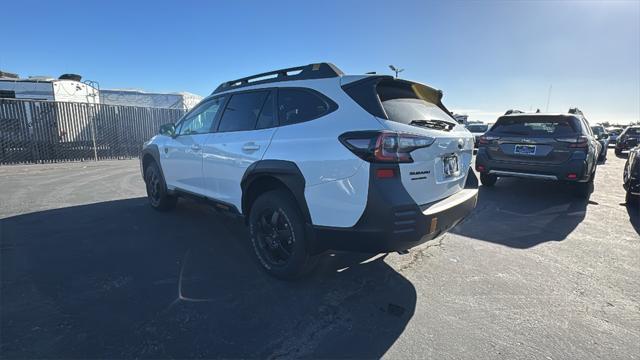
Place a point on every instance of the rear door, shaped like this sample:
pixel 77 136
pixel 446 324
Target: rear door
pixel 533 138
pixel 243 134
pixel 181 156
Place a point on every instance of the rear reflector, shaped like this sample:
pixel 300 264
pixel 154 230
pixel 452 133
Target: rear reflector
pixel 572 176
pixel 385 173
pixel 480 168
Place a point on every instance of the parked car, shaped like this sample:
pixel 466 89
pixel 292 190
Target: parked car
pixel 558 147
pixel 603 137
pixel 631 177
pixel 614 132
pixel 629 138
pixel 314 159
pixel 477 130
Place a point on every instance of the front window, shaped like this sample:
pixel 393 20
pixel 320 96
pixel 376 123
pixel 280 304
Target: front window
pixel 200 120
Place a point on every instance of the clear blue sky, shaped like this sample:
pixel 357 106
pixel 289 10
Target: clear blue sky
pixel 486 56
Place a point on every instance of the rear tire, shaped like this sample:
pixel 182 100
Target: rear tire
pixel 278 236
pixel 618 152
pixel 157 193
pixel 584 189
pixel 488 179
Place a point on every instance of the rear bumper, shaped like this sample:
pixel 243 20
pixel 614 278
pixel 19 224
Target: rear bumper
pixel 534 171
pixel 392 221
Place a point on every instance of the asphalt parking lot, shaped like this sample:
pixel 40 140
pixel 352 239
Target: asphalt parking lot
pixel 89 270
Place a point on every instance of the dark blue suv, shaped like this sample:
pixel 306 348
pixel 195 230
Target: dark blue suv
pixel 557 147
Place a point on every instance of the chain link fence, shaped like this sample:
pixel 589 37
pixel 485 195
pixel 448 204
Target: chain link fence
pixel 34 131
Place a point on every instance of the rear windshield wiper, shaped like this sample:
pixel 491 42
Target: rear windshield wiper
pixel 433 124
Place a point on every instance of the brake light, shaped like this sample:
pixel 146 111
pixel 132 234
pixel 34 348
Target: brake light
pixel 575 142
pixel 384 146
pixel 486 139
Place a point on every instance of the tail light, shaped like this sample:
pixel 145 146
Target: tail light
pixel 580 142
pixel 486 139
pixel 384 146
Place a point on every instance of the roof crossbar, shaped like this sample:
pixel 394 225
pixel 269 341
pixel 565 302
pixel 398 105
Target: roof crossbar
pixel 305 72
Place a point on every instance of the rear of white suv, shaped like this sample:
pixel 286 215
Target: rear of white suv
pixel 317 160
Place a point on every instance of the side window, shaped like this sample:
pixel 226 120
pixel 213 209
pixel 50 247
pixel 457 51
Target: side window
pixel 296 106
pixel 267 118
pixel 242 111
pixel 201 119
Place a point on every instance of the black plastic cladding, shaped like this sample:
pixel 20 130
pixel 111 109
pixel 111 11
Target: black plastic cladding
pixel 312 71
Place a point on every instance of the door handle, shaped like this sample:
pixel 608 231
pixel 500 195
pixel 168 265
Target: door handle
pixel 195 147
pixel 251 147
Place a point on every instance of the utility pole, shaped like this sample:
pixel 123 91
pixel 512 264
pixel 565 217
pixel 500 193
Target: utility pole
pixel 396 70
pixel 549 98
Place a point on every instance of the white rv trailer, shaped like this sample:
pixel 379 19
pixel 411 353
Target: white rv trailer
pixel 47 88
pixel 54 112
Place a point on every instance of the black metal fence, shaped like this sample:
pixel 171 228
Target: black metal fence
pixel 34 131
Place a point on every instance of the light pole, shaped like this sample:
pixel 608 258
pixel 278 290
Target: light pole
pixel 396 70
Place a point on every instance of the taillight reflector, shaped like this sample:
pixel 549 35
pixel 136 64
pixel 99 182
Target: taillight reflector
pixel 385 173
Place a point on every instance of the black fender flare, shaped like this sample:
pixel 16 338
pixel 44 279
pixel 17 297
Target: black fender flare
pixel 153 151
pixel 287 172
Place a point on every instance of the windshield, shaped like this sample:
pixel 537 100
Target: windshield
pixel 537 125
pixel 478 128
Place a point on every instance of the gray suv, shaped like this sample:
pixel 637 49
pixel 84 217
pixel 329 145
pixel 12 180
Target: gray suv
pixel 557 147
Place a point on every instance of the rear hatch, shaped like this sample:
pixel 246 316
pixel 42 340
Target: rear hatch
pixel 436 171
pixel 533 139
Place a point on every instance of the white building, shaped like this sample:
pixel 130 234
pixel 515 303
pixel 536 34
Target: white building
pixel 132 97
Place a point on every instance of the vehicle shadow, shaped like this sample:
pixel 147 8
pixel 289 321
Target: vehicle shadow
pixel 120 280
pixel 522 213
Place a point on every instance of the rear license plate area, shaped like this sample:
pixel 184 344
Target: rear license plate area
pixel 525 150
pixel 451 165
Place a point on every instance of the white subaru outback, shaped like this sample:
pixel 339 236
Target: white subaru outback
pixel 314 160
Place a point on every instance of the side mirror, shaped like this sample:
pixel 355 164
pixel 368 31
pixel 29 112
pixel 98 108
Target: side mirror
pixel 168 130
pixel 605 135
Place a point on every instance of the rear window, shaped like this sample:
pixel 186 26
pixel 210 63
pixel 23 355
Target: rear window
pixel 632 131
pixel 298 105
pixel 242 111
pixel 402 105
pixel 598 130
pixel 478 128
pixel 537 125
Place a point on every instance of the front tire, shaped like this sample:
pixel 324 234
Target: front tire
pixel 488 179
pixel 278 237
pixel 157 193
